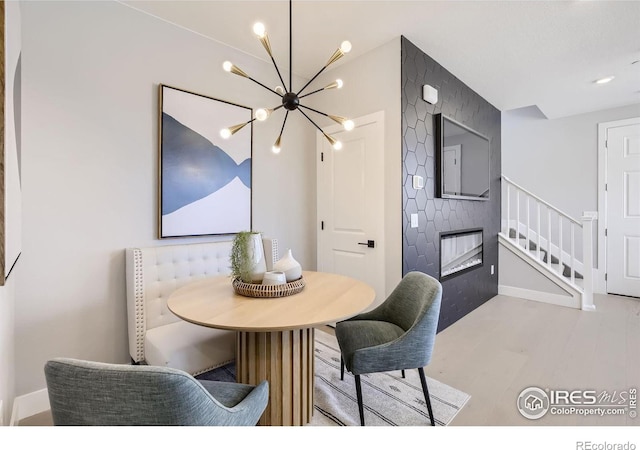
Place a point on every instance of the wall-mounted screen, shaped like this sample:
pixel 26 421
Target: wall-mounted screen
pixel 462 161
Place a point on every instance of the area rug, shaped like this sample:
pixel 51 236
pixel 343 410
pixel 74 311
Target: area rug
pixel 389 399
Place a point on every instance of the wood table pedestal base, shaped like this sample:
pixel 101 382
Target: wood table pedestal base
pixel 286 360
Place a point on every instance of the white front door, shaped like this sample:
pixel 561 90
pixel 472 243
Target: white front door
pixel 623 210
pixel 350 196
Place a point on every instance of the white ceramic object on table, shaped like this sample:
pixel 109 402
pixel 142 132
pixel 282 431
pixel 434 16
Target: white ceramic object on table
pixel 291 268
pixel 256 255
pixel 274 278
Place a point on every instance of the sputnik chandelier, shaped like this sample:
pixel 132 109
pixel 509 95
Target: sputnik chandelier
pixel 290 100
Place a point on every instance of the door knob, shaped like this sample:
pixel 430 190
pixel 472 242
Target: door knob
pixel 369 243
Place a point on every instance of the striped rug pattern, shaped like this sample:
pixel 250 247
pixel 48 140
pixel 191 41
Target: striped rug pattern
pixel 389 399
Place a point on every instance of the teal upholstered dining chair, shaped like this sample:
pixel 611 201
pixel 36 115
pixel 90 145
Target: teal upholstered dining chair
pixel 397 335
pixel 93 393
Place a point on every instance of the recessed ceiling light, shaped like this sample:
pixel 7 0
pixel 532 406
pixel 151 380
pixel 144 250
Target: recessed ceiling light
pixel 604 80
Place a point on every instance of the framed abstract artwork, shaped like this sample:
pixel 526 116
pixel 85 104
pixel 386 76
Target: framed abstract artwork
pixel 204 180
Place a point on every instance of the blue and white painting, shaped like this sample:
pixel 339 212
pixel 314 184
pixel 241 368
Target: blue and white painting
pixel 205 180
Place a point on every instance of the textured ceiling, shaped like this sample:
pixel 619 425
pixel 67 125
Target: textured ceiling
pixel 513 53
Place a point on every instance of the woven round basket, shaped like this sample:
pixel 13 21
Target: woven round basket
pixel 267 291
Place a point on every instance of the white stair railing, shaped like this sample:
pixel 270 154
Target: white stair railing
pixel 555 239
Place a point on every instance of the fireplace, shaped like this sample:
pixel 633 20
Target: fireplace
pixel 460 252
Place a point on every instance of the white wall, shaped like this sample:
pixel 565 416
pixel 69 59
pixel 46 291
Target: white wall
pixel 90 76
pixel 557 159
pixel 7 366
pixel 372 83
pixel 12 47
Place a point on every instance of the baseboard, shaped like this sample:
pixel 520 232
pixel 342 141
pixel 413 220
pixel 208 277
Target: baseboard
pixel 538 296
pixel 28 405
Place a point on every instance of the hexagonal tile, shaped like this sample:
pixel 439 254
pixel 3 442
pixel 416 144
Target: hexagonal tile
pixel 421 244
pixel 411 258
pixel 410 139
pixel 421 171
pixel 421 132
pixel 409 191
pixel 421 153
pixel 445 210
pixel 430 166
pixel 430 210
pixel 421 110
pixel 411 207
pixel 410 116
pixel 422 221
pixel 429 145
pixel 438 220
pixel 411 163
pixel 421 199
pixel 431 233
pixel 412 235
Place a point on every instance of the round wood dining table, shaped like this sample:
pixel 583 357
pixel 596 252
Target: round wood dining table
pixel 275 336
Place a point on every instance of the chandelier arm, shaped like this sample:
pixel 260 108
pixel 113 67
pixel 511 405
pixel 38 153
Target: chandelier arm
pixel 311 80
pixel 284 122
pixel 311 93
pixel 314 124
pixel 264 86
pixel 290 46
pixel 284 85
pixel 314 110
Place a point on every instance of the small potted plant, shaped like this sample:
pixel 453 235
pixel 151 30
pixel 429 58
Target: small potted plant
pixel 247 257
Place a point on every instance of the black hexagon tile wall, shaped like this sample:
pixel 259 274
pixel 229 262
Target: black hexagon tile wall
pixel 421 246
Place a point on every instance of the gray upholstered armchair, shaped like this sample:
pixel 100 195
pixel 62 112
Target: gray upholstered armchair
pixel 397 335
pixel 92 393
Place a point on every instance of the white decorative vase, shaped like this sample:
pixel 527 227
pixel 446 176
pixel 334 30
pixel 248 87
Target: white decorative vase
pixel 256 255
pixel 291 268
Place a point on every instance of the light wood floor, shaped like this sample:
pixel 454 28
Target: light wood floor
pixel 509 344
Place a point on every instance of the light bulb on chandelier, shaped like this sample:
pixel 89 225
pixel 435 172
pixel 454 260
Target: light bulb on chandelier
pixel 259 29
pixel 290 99
pixel 262 114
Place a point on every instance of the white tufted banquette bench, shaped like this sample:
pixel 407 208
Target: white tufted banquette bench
pixel 158 337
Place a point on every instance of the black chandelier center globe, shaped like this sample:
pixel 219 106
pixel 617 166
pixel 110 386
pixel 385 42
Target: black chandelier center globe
pixel 290 101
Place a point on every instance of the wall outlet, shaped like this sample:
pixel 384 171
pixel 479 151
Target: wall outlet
pixel 414 221
pixel 418 182
pixel 492 269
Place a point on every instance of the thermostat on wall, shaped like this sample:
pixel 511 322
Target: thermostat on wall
pixel 429 94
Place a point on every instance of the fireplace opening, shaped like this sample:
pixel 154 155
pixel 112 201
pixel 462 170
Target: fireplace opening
pixel 460 251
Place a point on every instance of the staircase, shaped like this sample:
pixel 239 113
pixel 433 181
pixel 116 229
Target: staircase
pixel 552 242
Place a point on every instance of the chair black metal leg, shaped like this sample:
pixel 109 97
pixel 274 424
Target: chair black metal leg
pixel 341 368
pixel 403 373
pixel 359 395
pixel 423 380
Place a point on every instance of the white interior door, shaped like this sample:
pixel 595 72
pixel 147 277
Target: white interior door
pixel 451 168
pixel 351 202
pixel 623 210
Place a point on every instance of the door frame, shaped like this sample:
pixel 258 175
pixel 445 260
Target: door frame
pixel 379 118
pixel 457 148
pixel 600 286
